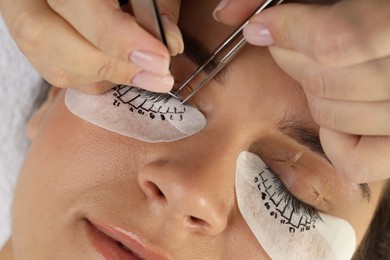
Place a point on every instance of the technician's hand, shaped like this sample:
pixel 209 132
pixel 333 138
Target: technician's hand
pixel 89 45
pixel 340 54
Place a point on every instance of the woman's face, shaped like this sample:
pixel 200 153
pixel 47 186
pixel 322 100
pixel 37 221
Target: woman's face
pixel 178 197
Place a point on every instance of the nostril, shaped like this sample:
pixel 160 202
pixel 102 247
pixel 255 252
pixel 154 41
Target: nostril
pixel 197 222
pixel 154 191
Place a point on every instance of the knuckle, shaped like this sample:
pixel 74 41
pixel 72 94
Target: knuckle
pixel 26 31
pixel 171 8
pixel 58 5
pixel 95 89
pixel 333 43
pixel 104 36
pixel 315 81
pixel 285 35
pixel 107 70
pixel 91 89
pixel 101 37
pixel 103 32
pixel 379 77
pixel 323 113
pixel 57 77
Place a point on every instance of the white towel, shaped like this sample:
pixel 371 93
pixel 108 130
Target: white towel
pixel 18 88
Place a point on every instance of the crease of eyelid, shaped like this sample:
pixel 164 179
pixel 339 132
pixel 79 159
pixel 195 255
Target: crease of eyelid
pixel 293 126
pixel 365 190
pixel 298 206
pixel 313 196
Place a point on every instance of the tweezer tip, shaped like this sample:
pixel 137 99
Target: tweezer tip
pixel 188 97
pixel 173 94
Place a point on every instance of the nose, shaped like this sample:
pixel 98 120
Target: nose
pixel 192 194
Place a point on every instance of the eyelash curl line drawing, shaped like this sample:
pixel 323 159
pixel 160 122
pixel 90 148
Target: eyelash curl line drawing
pixel 283 205
pixel 145 102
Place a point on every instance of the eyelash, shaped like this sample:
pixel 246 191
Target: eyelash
pixel 288 198
pixel 298 206
pixel 156 97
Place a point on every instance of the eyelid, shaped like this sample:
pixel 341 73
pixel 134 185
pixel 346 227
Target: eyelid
pixel 305 191
pixel 299 206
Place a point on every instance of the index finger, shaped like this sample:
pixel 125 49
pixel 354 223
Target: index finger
pixel 234 12
pixel 346 33
pixel 105 25
pixel 361 159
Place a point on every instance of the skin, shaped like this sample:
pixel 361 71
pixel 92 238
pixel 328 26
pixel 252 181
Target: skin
pixel 341 58
pixel 68 30
pixel 76 171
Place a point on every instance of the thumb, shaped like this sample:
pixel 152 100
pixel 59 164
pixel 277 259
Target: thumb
pixel 332 35
pixel 170 11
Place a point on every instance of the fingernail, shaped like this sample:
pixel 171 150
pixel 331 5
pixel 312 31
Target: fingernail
pixel 150 62
pixel 219 7
pixel 153 82
pixel 174 37
pixel 258 34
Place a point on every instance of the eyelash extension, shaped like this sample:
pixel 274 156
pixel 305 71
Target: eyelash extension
pixel 156 97
pixel 298 206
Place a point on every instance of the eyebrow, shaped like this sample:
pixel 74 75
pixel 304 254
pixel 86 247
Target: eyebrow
pixel 198 54
pixel 291 126
pixel 294 127
pixel 297 129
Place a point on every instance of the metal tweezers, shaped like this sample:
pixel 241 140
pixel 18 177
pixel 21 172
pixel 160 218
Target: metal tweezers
pixel 147 15
pixel 230 46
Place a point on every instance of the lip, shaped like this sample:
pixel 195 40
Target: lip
pixel 107 239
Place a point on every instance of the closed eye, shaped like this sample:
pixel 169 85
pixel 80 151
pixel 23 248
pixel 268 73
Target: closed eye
pixel 282 205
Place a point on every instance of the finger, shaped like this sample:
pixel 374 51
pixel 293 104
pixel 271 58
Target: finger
pixel 362 159
pixel 360 118
pixel 46 37
pixel 105 25
pixel 64 76
pixel 347 33
pixel 96 88
pixel 368 81
pixel 233 12
pixel 170 11
pixel 63 79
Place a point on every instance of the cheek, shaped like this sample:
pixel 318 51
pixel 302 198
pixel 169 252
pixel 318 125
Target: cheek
pixel 67 158
pixel 72 167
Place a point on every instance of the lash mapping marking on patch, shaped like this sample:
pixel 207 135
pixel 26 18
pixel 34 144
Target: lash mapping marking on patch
pixel 283 233
pixel 131 112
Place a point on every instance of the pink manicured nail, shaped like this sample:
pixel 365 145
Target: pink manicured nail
pixel 258 34
pixel 153 82
pixel 150 62
pixel 219 7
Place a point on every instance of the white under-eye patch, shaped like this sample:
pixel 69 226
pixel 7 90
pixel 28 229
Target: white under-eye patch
pixel 282 231
pixel 138 114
